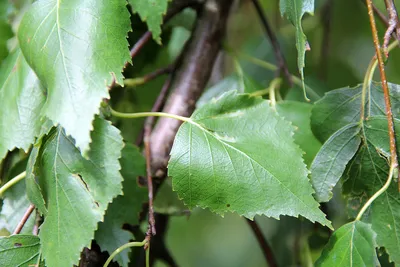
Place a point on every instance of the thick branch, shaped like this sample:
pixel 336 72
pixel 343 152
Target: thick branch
pixel 191 78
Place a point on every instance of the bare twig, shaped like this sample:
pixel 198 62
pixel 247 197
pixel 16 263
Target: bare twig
pixel 388 109
pixel 326 14
pixel 26 216
pixel 147 133
pixel 393 24
pixel 262 241
pixel 148 77
pixel 283 69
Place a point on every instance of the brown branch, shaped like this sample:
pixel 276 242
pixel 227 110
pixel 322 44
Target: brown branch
pixel 393 24
pixel 388 109
pixel 283 69
pixel 26 216
pixel 262 241
pixel 191 78
pixel 326 16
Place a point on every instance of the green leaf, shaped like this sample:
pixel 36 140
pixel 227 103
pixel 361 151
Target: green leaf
pixel 125 208
pixel 236 154
pixel 353 244
pixel 241 83
pixel 76 47
pixel 5 28
pixel 299 114
pixel 366 174
pixel 343 106
pixel 76 190
pixel 152 12
pixel 21 100
pixel 330 162
pixel 19 250
pixel 294 10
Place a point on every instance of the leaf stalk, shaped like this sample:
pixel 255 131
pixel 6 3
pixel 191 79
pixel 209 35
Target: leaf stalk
pixel 129 245
pixel 12 182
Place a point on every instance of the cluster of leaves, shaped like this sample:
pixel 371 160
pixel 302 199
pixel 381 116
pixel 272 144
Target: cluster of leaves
pixel 236 153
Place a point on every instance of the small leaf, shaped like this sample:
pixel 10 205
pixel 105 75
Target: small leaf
pixel 330 162
pixel 76 191
pixel 19 250
pixel 125 208
pixel 343 106
pixel 151 11
pixel 353 244
pixel 294 10
pixel 236 154
pixel 21 99
pixel 75 47
pixel 299 114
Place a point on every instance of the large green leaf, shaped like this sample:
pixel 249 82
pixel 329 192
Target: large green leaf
pixel 299 114
pixel 5 28
pixel 152 12
pixel 76 48
pixel 21 100
pixel 352 245
pixel 343 106
pixel 367 173
pixel 125 208
pixel 294 10
pixel 236 154
pixel 19 250
pixel 330 162
pixel 76 191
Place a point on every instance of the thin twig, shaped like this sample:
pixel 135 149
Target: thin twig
pixel 393 24
pixel 148 77
pixel 326 14
pixel 274 42
pixel 388 109
pixel 147 134
pixel 26 216
pixel 267 251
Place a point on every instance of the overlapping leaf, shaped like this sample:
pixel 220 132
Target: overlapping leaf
pixel 341 107
pixel 367 173
pixel 125 208
pixel 5 28
pixel 351 245
pixel 21 100
pixel 75 47
pixel 152 12
pixel 236 154
pixel 330 162
pixel 76 191
pixel 294 10
pixel 299 114
pixel 20 250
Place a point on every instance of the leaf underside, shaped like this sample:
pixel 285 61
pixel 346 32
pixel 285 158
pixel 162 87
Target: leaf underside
pixel 234 156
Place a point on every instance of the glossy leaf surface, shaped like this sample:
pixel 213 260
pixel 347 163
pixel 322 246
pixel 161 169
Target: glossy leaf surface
pixel 233 155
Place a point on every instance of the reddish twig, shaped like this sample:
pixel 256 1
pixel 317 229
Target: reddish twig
pixel 393 24
pixel 388 109
pixel 274 42
pixel 262 241
pixel 26 216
